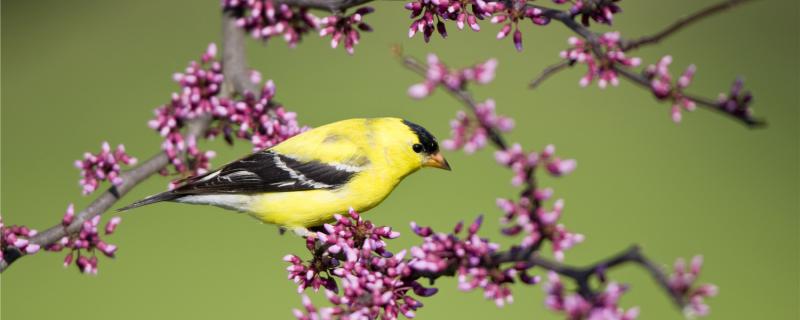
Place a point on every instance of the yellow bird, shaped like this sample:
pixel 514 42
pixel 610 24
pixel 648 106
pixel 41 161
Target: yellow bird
pixel 304 181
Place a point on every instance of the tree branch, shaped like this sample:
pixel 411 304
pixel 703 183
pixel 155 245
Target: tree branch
pixel 234 67
pixel 700 101
pixel 549 71
pixel 681 23
pixel 334 6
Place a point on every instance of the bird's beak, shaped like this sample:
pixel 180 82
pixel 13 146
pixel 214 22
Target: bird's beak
pixel 437 161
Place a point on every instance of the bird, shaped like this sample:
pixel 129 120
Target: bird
pixel 304 181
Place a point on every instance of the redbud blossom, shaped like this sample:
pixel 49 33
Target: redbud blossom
pixel 663 88
pixel 17 237
pixel 682 283
pixel 200 85
pixel 602 66
pixel 471 134
pixel 258 119
pixel 265 19
pixel 345 28
pixel 601 11
pixel 103 166
pixel 574 306
pixel 373 283
pixel 438 73
pixel 736 101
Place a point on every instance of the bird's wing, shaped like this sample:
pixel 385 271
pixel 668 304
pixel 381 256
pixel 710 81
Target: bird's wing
pixel 270 171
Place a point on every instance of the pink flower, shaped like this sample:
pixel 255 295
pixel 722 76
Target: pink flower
pixel 662 86
pixel 258 119
pixel 603 69
pixel 265 19
pixel 374 282
pixel 200 86
pixel 603 306
pixel 736 101
pixel 345 28
pixel 102 166
pixel 439 74
pixel 682 282
pixel 471 134
pixel 600 11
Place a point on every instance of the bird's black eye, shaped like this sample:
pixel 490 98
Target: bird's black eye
pixel 417 147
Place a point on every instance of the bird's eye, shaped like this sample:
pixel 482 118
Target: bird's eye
pixel 417 147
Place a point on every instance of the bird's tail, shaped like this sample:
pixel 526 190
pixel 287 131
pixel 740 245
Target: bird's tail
pixel 164 196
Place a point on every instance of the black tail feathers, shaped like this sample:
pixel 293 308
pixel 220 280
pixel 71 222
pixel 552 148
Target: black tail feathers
pixel 164 196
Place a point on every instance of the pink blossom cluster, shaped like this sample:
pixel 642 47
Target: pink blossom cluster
pixel 523 163
pixel 603 306
pixel 601 11
pixel 345 28
pixel 472 134
pixel 511 16
pixel 257 119
pixel 17 237
pixel 200 86
pixel 682 283
pixel 265 19
pixel 736 102
pixel 663 88
pixel 601 68
pixel 87 239
pixel 374 282
pixel 438 73
pixel 430 15
pixel 469 257
pixel 538 224
pixel 105 165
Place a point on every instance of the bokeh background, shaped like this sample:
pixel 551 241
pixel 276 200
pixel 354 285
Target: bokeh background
pixel 76 73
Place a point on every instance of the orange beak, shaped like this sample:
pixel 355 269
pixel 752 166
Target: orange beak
pixel 437 161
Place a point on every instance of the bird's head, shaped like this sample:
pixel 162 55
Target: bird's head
pixel 423 145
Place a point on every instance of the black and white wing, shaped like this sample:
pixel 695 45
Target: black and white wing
pixel 264 171
pixel 269 171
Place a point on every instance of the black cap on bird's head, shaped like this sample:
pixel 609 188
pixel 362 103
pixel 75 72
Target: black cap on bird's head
pixel 427 146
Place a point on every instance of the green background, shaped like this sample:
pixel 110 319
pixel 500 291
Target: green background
pixel 76 73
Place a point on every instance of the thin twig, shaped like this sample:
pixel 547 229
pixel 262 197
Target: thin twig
pixel 547 72
pixel 700 101
pixel 680 24
pixel 234 63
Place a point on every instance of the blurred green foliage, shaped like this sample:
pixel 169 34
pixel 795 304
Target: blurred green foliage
pixel 76 73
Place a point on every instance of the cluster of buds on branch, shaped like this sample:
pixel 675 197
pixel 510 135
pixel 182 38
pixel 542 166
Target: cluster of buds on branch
pixel 600 67
pixel 662 87
pixel 264 19
pixel 17 237
pixel 88 240
pixel 102 166
pixel 374 282
pixel 257 119
pixel 439 74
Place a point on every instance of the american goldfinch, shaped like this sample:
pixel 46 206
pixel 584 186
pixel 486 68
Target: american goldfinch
pixel 307 179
